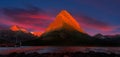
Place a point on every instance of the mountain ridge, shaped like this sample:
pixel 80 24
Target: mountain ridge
pixel 17 28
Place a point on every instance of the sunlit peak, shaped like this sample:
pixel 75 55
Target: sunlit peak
pixel 64 20
pixel 17 28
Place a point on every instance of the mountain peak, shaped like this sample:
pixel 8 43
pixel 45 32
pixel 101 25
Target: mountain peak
pixel 64 20
pixel 64 11
pixel 36 33
pixel 17 28
pixel 14 28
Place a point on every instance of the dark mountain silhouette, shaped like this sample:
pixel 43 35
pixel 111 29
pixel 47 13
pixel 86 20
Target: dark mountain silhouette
pixel 15 36
pixel 100 36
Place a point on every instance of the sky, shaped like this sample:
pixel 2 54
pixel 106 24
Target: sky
pixel 94 16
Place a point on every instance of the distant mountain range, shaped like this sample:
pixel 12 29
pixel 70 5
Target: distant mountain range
pixel 63 31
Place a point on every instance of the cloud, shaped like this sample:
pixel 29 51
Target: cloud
pixel 30 18
pixel 89 22
pixel 36 19
pixel 2 26
pixel 94 26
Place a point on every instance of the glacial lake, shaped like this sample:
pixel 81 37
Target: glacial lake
pixel 58 49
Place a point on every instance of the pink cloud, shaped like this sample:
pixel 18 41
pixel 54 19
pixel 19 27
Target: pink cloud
pixel 36 20
pixel 39 20
pixel 27 26
pixel 92 23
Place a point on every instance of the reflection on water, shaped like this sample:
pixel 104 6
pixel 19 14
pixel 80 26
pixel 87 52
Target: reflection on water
pixel 46 49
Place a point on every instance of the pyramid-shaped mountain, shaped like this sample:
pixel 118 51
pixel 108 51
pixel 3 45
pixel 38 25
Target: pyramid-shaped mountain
pixel 66 29
pixel 64 20
pixel 17 28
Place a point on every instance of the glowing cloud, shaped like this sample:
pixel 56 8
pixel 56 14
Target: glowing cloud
pixel 33 19
pixel 36 19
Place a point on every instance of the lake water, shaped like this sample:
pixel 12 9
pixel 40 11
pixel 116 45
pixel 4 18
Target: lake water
pixel 47 49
